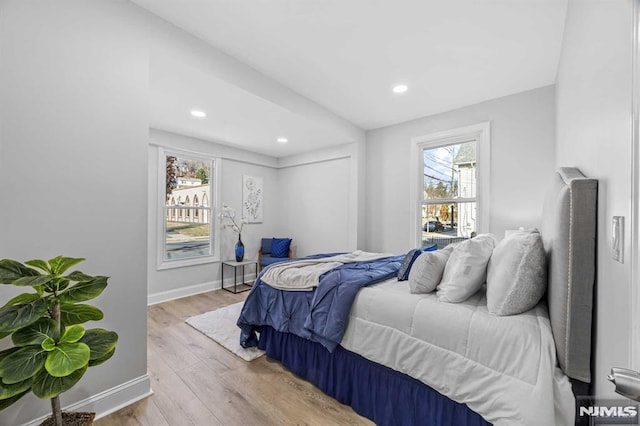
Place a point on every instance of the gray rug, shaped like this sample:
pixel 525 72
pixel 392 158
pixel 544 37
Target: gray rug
pixel 220 326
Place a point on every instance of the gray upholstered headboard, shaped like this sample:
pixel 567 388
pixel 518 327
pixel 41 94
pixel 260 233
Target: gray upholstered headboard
pixel 569 235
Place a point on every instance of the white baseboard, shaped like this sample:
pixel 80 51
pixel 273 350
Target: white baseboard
pixel 178 293
pixel 111 400
pixel 165 296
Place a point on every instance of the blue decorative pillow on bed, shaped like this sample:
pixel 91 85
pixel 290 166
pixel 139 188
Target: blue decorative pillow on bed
pixel 407 263
pixel 430 247
pixel 280 247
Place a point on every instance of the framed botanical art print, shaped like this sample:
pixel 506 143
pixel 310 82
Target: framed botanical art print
pixel 252 195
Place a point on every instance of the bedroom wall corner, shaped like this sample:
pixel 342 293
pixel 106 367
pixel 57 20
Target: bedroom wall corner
pixel 522 149
pixel 73 130
pixel 594 100
pixel 173 283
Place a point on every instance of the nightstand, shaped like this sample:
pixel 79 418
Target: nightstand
pixel 238 267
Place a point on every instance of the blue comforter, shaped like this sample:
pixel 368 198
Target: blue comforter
pixel 320 315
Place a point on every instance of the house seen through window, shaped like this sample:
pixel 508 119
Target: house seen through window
pixel 187 208
pixel 449 196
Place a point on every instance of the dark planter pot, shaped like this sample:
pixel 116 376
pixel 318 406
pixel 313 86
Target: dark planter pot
pixel 72 419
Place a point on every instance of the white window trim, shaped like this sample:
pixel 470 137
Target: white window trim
pixel 214 201
pixel 482 134
pixel 634 249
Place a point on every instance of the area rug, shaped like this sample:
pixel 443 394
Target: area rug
pixel 220 326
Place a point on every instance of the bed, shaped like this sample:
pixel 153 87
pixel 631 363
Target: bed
pixel 403 358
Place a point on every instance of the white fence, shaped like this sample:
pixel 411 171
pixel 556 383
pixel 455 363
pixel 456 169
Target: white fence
pixel 188 214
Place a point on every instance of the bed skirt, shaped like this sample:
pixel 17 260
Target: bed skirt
pixel 379 393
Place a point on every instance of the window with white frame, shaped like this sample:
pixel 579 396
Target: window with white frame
pixel 452 190
pixel 187 225
pixel 449 190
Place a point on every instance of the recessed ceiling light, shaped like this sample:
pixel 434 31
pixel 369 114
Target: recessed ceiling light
pixel 400 88
pixel 282 140
pixel 198 114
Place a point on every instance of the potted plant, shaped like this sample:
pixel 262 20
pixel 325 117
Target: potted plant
pixel 51 349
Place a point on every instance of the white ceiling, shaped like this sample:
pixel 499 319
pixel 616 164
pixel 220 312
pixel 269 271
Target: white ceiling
pixel 234 116
pixel 346 55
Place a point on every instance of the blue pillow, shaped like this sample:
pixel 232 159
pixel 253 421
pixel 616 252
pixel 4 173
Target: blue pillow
pixel 280 247
pixel 403 272
pixel 407 263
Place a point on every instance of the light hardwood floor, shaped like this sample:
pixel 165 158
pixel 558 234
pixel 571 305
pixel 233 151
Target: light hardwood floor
pixel 197 382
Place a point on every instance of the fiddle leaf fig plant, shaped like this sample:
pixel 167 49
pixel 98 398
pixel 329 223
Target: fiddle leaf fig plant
pixel 50 347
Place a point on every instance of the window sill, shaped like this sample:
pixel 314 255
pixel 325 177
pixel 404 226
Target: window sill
pixel 181 263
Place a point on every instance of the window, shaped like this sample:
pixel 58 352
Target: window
pixel 186 229
pixel 449 191
pixel 452 191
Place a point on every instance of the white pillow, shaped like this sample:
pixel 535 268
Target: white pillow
pixel 517 274
pixel 427 270
pixel 466 269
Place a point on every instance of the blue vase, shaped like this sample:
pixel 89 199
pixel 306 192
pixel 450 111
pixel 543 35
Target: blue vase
pixel 239 249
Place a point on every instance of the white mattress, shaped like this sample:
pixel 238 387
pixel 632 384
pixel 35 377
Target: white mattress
pixel 503 368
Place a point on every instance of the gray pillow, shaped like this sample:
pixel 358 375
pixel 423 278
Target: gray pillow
pixel 517 274
pixel 466 269
pixel 426 272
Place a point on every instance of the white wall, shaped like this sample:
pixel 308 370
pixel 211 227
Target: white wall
pixel 522 161
pixel 73 129
pixel 316 200
pixel 321 198
pixel 594 133
pixel 171 283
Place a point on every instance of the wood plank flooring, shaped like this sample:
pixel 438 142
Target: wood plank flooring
pixel 197 382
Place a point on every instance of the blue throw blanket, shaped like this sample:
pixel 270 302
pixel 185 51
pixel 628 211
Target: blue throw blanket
pixel 320 315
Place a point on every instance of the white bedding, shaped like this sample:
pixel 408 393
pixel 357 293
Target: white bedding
pixel 503 368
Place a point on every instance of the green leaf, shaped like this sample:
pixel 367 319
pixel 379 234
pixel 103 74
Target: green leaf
pixel 6 353
pixel 68 262
pixel 99 361
pixel 102 342
pixel 46 386
pixel 57 285
pixel 60 264
pixel 33 281
pixel 8 391
pixel 84 290
pixel 48 344
pixel 72 334
pixel 35 333
pixel 54 264
pixel 22 364
pixel 67 358
pixel 4 403
pixel 10 270
pixel 40 264
pixel 77 314
pixel 22 298
pixel 78 276
pixel 17 316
